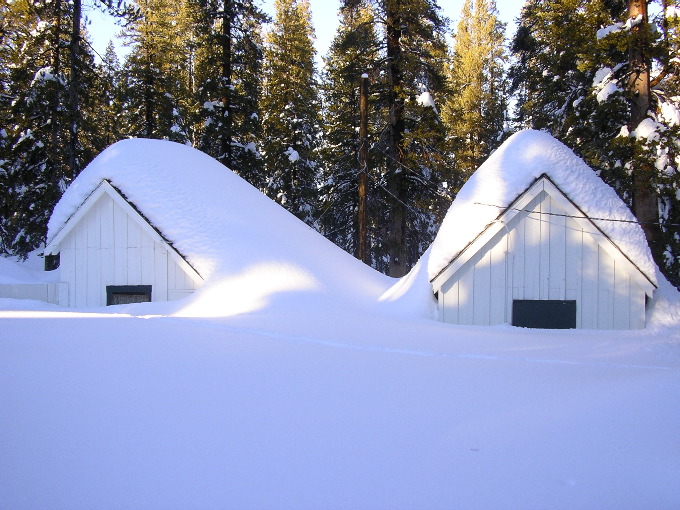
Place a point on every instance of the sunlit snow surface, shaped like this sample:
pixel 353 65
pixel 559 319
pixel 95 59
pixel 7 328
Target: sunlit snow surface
pixel 286 384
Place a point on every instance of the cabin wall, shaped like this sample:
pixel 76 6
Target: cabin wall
pixel 547 257
pixel 109 247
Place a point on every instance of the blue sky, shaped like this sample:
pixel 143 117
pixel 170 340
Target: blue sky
pixel 324 14
pixel 325 19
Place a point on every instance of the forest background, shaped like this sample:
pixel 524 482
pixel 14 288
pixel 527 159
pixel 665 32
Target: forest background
pixel 247 87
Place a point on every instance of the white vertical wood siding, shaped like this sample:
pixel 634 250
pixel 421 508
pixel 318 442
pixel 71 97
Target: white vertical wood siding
pixel 108 247
pixel 543 256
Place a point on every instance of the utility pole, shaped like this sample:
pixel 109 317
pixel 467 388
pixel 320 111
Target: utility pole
pixel 362 248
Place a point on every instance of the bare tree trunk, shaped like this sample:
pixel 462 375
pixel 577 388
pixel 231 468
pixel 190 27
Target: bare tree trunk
pixel 645 200
pixel 56 68
pixel 396 240
pixel 227 121
pixel 149 121
pixel 73 91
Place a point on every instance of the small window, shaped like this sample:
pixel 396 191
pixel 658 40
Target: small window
pixel 125 294
pixel 52 262
pixel 544 314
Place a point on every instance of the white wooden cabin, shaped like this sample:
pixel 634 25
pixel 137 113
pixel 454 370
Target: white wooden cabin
pixel 110 254
pixel 543 263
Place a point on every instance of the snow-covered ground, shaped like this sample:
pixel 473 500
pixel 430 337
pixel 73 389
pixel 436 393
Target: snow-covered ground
pixel 331 408
pixel 321 391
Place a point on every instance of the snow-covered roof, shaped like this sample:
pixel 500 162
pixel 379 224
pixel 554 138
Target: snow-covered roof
pixel 508 172
pixel 237 239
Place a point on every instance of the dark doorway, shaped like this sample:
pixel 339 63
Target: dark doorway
pixel 544 314
pixel 125 294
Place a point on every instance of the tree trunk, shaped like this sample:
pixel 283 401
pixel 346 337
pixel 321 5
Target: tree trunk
pixel 149 122
pixel 645 200
pixel 396 240
pixel 73 91
pixel 227 122
pixel 56 68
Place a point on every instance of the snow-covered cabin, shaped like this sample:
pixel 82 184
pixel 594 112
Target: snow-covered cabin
pixel 535 238
pixel 156 220
pixel 110 251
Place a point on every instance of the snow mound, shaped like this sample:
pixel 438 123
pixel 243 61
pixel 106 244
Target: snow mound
pixel 664 312
pixel 13 272
pixel 411 296
pixel 30 271
pixel 246 247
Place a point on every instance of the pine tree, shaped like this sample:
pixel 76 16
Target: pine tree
pixel 587 79
pixel 36 134
pixel 48 110
pixel 412 138
pixel 554 47
pixel 158 69
pixel 110 86
pixel 229 75
pixel 353 53
pixel 290 104
pixel 476 109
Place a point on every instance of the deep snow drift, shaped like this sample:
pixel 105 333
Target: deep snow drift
pixel 293 396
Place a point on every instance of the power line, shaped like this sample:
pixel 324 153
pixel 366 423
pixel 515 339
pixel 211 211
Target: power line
pixel 617 220
pixel 316 221
pixel 410 208
pixel 427 183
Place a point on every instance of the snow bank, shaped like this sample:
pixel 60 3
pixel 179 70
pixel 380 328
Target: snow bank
pixel 507 173
pixel 14 273
pixel 664 312
pixel 411 296
pixel 247 248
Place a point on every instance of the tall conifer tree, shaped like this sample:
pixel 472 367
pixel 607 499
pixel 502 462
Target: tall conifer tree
pixel 411 139
pixel 291 106
pixel 353 53
pixel 476 108
pixel 110 85
pixel 49 109
pixel 229 76
pixel 41 151
pixel 159 71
